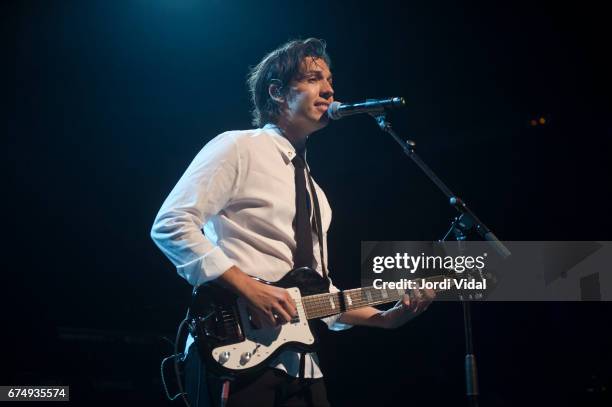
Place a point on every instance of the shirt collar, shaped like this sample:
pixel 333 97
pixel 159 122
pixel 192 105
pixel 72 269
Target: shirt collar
pixel 284 146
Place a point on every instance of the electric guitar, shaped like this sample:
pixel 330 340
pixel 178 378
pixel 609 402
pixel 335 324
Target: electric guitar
pixel 231 345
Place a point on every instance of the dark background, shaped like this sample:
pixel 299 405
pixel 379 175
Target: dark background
pixel 110 101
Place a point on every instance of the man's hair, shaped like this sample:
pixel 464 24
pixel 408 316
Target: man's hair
pixel 280 66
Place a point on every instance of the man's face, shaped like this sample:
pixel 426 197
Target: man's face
pixel 309 95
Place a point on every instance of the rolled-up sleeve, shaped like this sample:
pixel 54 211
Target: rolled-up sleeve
pixel 205 188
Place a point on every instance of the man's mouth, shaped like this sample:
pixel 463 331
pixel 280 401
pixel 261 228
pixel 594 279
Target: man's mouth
pixel 322 106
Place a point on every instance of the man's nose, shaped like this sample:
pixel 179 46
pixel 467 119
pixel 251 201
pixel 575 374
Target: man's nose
pixel 327 91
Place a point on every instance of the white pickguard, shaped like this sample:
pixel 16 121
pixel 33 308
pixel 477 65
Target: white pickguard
pixel 261 343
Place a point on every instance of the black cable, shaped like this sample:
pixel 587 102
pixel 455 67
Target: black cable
pixel 176 365
pixel 176 356
pixel 199 383
pixel 163 365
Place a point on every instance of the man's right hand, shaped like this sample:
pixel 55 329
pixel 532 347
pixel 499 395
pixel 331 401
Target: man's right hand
pixel 269 305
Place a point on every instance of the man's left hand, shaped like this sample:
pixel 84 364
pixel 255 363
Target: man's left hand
pixel 413 303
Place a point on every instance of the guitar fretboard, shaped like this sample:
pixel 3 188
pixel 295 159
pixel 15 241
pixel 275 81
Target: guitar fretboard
pixel 327 304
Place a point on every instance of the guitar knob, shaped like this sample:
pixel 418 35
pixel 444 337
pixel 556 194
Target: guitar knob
pixel 245 357
pixel 224 357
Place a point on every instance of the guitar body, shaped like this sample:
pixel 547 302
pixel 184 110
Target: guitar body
pixel 231 345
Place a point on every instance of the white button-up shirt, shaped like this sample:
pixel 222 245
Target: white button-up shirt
pixel 240 190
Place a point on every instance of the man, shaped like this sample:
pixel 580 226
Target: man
pixel 240 190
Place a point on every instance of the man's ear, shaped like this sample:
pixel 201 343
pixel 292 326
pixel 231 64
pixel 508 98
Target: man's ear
pixel 275 91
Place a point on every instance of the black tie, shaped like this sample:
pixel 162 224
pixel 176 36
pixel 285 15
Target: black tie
pixel 303 228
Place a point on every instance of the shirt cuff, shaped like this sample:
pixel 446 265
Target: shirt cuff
pixel 208 267
pixel 334 325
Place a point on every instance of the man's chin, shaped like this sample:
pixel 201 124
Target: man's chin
pixel 317 123
pixel 323 120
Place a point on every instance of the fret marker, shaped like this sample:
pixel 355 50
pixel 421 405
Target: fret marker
pixel 349 300
pixel 369 295
pixel 384 293
pixel 331 302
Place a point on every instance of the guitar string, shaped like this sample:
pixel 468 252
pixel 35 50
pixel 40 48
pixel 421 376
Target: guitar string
pixel 322 307
pixel 319 305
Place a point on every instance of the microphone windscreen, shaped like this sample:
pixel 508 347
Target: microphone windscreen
pixel 332 110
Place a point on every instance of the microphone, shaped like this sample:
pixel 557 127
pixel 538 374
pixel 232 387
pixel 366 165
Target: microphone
pixel 338 110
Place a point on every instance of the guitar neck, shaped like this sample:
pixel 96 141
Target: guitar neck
pixel 328 304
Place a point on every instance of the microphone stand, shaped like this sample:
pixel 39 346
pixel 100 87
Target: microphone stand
pixel 461 226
